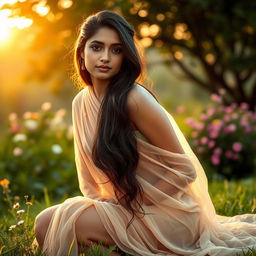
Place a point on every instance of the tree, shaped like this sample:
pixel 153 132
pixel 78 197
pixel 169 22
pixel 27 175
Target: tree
pixel 217 36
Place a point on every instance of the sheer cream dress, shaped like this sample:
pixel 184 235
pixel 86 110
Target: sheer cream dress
pixel 182 216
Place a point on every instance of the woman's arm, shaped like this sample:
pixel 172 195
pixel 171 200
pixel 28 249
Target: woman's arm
pixel 151 120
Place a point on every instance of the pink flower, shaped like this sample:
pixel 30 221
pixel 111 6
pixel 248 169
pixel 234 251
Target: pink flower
pixel 15 128
pixel 211 143
pixel 222 91
pixel 210 112
pixel 228 109
pixel 216 98
pixel 200 149
pixel 215 160
pixel 199 126
pixel 234 115
pixel 213 134
pixel 204 140
pixel 17 151
pixel 244 106
pixel 203 117
pixel 227 118
pixel 230 128
pixel 217 151
pixel 228 154
pixel 237 146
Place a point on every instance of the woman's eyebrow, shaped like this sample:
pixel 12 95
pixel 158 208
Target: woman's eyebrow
pixel 99 42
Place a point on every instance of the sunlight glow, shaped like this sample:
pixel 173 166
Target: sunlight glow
pixel 65 3
pixel 7 23
pixel 41 8
pixel 10 2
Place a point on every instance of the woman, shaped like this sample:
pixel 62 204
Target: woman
pixel 143 188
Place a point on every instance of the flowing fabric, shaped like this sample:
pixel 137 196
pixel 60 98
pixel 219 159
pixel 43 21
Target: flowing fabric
pixel 181 220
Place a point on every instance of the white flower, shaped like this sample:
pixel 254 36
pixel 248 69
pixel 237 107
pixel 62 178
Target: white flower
pixel 57 149
pixel 31 124
pixel 20 222
pixel 19 137
pixel 16 206
pixel 46 106
pixel 20 211
pixel 12 227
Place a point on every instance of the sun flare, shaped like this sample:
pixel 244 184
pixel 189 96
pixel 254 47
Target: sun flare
pixel 9 23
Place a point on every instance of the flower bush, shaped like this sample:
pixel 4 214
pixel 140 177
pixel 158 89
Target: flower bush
pixel 224 138
pixel 37 152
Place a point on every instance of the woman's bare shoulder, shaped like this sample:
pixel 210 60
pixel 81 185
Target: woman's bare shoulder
pixel 78 97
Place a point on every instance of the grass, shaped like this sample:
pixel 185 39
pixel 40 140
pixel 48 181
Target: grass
pixel 16 225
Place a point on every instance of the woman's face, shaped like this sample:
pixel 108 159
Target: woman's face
pixel 103 54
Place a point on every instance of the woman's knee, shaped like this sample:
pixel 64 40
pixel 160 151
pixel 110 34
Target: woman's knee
pixel 42 222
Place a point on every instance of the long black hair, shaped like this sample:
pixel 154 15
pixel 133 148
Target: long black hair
pixel 115 146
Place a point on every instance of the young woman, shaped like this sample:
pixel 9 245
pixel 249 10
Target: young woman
pixel 143 188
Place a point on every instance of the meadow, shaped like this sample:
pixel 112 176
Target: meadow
pixel 16 223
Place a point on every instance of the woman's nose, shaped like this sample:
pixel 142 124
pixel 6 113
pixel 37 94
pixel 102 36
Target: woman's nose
pixel 105 55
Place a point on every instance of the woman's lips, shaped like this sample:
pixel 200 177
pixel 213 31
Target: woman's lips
pixel 103 69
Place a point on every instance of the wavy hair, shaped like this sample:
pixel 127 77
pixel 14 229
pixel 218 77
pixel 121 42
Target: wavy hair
pixel 115 147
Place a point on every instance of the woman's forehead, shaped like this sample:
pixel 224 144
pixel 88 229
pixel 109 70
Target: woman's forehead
pixel 105 35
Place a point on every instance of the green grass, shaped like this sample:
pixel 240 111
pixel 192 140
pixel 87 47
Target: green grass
pixel 229 198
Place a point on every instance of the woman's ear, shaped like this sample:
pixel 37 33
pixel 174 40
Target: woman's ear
pixel 82 55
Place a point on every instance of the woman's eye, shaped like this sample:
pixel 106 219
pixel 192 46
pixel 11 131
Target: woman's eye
pixel 117 50
pixel 95 48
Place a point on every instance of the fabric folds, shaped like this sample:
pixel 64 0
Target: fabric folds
pixel 181 218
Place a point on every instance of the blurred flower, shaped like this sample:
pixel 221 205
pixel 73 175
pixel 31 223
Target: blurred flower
pixel 20 222
pixel 237 146
pixel 215 160
pixel 228 109
pixel 4 182
pixel 16 206
pixel 57 149
pixel 211 143
pixel 204 140
pixel 30 115
pixel 12 227
pixel 180 109
pixel 216 98
pixel 227 118
pixel 230 128
pixel 61 113
pixel 217 151
pixel 17 151
pixel 200 149
pixel 222 91
pixel 203 117
pixel 229 154
pixel 244 106
pixel 20 211
pixel 15 128
pixel 31 124
pixel 46 106
pixel 213 134
pixel 28 203
pixel 234 115
pixel 12 117
pixel 19 137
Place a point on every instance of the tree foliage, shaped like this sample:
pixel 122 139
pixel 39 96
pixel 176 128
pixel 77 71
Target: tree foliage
pixel 216 38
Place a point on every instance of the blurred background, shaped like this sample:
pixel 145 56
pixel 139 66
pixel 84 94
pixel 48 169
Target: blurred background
pixel 200 57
